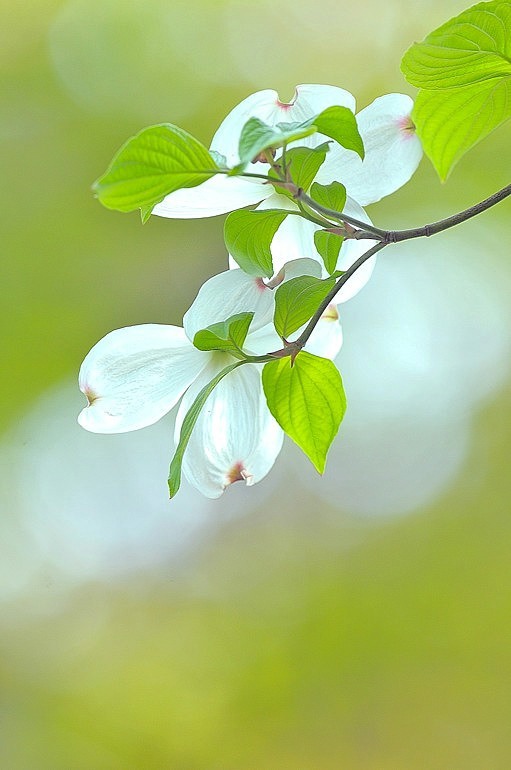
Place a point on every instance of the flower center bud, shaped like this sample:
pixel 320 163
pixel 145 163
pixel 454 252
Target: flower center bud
pixel 238 472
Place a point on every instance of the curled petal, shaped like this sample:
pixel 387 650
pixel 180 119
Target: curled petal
pixel 225 295
pixel 235 437
pixel 217 195
pixel 308 100
pixel 134 376
pixel 392 152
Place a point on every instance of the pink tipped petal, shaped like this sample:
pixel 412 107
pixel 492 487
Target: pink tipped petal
pixel 235 437
pixel 308 100
pixel 314 98
pixel 133 376
pixel 225 295
pixel 392 152
pixel 217 195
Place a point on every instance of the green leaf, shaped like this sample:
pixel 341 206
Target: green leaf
pixel 297 300
pixel 256 137
pixel 328 246
pixel 145 213
pixel 464 71
pixel 188 424
pixel 331 196
pixel 307 399
pixel 339 123
pixel 452 121
pixel 472 47
pixel 157 161
pixel 248 236
pixel 304 163
pixel 226 335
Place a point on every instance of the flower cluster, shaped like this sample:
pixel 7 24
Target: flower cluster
pixel 135 375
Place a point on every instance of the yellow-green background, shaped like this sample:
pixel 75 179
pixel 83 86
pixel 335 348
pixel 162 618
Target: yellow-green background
pixel 298 636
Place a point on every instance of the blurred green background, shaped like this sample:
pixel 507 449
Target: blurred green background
pixel 361 621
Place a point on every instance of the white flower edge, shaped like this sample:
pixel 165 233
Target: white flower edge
pixel 235 437
pixel 133 376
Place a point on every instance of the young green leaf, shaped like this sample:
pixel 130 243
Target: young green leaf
pixel 331 196
pixel 145 213
pixel 297 300
pixel 307 399
pixel 464 72
pixel 339 123
pixel 228 335
pixel 248 236
pixel 328 246
pixel 470 48
pixel 304 163
pixel 188 425
pixel 256 137
pixel 157 161
pixel 451 121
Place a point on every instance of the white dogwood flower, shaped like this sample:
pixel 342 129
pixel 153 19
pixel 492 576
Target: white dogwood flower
pixel 135 375
pixel 392 154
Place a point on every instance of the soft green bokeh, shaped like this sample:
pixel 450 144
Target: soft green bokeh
pixel 300 635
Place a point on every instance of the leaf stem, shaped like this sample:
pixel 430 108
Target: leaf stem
pixel 395 236
pixel 302 196
pixel 367 231
pixel 299 343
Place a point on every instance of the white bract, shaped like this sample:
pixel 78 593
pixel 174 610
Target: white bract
pixel 134 376
pixel 392 154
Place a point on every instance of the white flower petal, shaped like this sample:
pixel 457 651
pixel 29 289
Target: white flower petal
pixel 351 250
pixel 263 341
pixel 326 339
pixel 302 266
pixel 309 100
pixel 235 437
pixel 294 238
pixel 134 376
pixel 217 195
pixel 225 295
pixel 392 152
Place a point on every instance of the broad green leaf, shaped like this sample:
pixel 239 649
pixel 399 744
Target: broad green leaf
pixel 339 123
pixel 248 236
pixel 256 137
pixel 328 246
pixel 451 121
pixel 157 161
pixel 307 399
pixel 226 335
pixel 472 47
pixel 188 425
pixel 304 163
pixel 331 196
pixel 464 71
pixel 297 300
